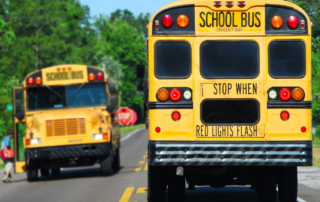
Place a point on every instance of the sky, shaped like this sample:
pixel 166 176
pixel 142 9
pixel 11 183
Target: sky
pixel 135 6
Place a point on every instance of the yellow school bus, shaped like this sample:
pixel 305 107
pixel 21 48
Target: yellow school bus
pixel 64 117
pixel 229 97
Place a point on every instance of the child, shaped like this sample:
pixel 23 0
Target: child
pixel 9 161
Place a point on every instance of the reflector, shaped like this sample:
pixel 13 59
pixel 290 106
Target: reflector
pixel 183 21
pixel 293 22
pixel 167 21
pixel 285 94
pixel 158 129
pixel 176 116
pixel 276 22
pixel 297 94
pixel 284 115
pixel 303 129
pixel 175 94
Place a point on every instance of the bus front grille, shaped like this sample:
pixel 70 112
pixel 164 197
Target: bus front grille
pixel 63 127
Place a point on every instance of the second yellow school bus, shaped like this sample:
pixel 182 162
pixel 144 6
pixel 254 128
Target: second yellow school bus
pixel 64 117
pixel 229 97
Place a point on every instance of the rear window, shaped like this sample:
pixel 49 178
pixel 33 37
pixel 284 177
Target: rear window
pixel 237 59
pixel 233 112
pixel 172 60
pixel 287 59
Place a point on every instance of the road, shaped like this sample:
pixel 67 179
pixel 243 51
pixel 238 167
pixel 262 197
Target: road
pixel 129 184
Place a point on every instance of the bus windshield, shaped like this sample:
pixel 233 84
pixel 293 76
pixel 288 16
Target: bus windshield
pixel 71 96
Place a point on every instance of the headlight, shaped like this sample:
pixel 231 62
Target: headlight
pixel 35 141
pixel 187 95
pixel 272 94
pixel 97 137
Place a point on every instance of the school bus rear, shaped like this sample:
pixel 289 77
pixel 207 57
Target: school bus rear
pixel 68 118
pixel 229 96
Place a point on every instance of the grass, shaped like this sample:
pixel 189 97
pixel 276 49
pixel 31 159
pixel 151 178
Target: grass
pixel 316 143
pixel 1 164
pixel 127 129
pixel 316 158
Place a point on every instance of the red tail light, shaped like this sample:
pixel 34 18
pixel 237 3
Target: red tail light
pixel 30 81
pixel 158 129
pixel 167 21
pixel 176 116
pixel 303 129
pixel 99 76
pixel 285 94
pixel 284 115
pixel 293 22
pixel 175 94
pixel 229 3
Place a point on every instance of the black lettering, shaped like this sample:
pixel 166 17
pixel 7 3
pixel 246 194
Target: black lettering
pixel 221 25
pixel 238 87
pixel 204 23
pixel 215 19
pixel 243 19
pixel 206 130
pixel 255 130
pixel 219 131
pixel 258 25
pixel 244 88
pixel 238 130
pixel 201 130
pixel 231 131
pixel 251 24
pixel 233 25
pixel 223 131
pixel 215 87
pixel 250 128
pixel 208 25
pixel 80 74
pixel 249 88
pixel 198 128
pixel 212 132
pixel 224 88
pixel 246 132
pixel 219 88
pixel 229 87
pixel 48 77
pixel 241 131
pixel 230 19
pixel 255 88
pixel 73 75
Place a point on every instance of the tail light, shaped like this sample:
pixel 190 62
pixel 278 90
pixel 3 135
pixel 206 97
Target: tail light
pixel 105 136
pixel 284 115
pixel 38 80
pixel 158 129
pixel 276 22
pixel 229 3
pixel 285 94
pixel 303 129
pixel 91 77
pixel 293 22
pixel 183 21
pixel 30 81
pixel 297 94
pixel 69 68
pixel 99 76
pixel 167 21
pixel 241 3
pixel 217 3
pixel 64 69
pixel 163 94
pixel 187 95
pixel 175 94
pixel 27 141
pixel 272 94
pixel 176 116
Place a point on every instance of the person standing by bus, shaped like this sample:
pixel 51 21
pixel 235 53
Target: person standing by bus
pixel 5 145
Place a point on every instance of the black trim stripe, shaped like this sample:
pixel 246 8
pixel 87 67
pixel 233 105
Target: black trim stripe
pixel 302 105
pixel 170 105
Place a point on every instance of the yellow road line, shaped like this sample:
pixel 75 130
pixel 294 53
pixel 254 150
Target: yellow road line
pixel 146 167
pixel 138 169
pixel 146 152
pixel 127 194
pixel 141 190
pixel 145 156
pixel 141 162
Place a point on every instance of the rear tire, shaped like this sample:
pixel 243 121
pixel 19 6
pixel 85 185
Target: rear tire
pixel 116 161
pixel 288 184
pixel 176 187
pixel 55 172
pixel 267 184
pixel 32 172
pixel 156 184
pixel 44 172
pixel 106 165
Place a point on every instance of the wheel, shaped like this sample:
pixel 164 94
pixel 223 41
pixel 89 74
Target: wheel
pixel 267 184
pixel 32 172
pixel 156 184
pixel 55 172
pixel 44 172
pixel 176 187
pixel 116 161
pixel 287 184
pixel 106 165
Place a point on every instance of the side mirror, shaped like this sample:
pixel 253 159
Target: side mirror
pixel 114 100
pixel 140 71
pixel 110 108
pixel 112 87
pixel 140 86
pixel 18 102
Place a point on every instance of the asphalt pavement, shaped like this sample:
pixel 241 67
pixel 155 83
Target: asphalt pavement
pixel 86 184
